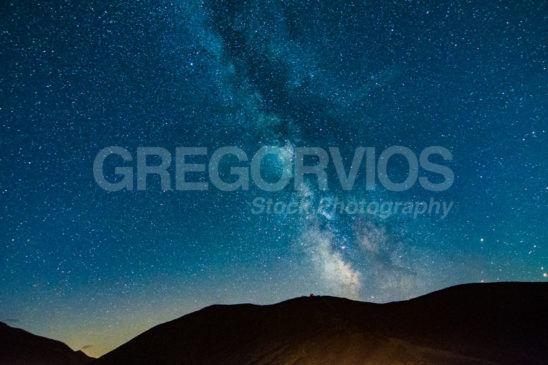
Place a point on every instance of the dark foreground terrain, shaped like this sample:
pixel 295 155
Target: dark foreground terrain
pixel 499 323
pixel 18 347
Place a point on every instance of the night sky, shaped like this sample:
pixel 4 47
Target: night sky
pixel 94 268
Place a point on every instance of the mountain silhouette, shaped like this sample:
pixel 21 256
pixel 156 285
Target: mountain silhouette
pixel 19 347
pixel 497 323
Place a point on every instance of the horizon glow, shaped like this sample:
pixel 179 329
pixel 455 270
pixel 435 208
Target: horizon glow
pixel 94 268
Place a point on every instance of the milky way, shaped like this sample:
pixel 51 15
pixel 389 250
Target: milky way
pixel 94 268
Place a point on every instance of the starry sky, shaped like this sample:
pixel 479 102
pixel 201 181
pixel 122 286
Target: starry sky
pixel 95 268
